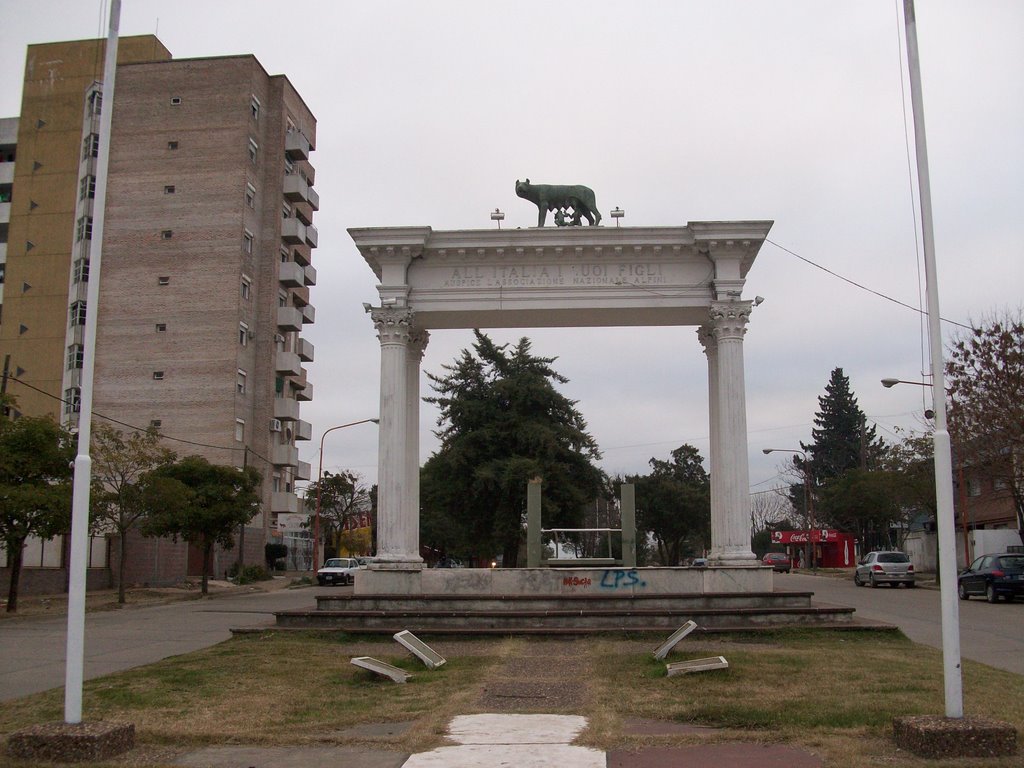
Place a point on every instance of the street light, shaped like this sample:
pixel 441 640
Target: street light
pixel 319 488
pixel 808 499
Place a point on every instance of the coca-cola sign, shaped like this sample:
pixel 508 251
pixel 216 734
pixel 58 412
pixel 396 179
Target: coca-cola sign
pixel 815 536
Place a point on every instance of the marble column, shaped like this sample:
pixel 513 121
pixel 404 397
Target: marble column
pixel 730 511
pixel 418 339
pixel 397 536
pixel 707 340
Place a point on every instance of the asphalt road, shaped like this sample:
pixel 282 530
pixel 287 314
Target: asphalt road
pixel 990 633
pixel 32 649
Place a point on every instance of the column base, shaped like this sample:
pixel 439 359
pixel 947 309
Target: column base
pixel 736 557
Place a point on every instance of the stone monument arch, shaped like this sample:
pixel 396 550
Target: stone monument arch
pixel 690 275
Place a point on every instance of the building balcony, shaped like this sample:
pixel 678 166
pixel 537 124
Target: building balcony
pixel 303 430
pixel 310 275
pixel 296 146
pixel 286 409
pixel 305 394
pixel 292 275
pixel 313 199
pixel 284 456
pixel 300 256
pixel 303 471
pixel 5 213
pixel 293 232
pixel 6 173
pixel 284 503
pixel 296 189
pixel 289 319
pixel 311 236
pixel 308 314
pixel 304 350
pixel 287 363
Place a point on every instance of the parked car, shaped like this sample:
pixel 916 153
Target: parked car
pixel 779 561
pixel 699 562
pixel 884 568
pixel 338 570
pixel 993 576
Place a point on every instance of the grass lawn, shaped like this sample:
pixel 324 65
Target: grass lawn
pixel 835 693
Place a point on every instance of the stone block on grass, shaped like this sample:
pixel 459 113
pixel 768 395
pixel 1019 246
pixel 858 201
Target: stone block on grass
pixel 934 736
pixel 71 742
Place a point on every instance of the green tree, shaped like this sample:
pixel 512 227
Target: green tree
pixel 502 423
pixel 35 487
pixel 841 440
pixel 674 504
pixel 122 490
pixel 343 496
pixel 204 504
pixel 985 376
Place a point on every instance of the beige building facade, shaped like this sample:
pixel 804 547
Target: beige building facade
pixel 206 263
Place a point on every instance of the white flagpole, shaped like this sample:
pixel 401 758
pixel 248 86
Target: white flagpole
pixel 945 522
pixel 78 566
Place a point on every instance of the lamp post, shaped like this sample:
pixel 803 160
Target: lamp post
pixel 319 488
pixel 808 499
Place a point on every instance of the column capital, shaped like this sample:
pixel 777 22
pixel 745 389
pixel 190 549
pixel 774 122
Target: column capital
pixel 729 319
pixel 418 339
pixel 393 324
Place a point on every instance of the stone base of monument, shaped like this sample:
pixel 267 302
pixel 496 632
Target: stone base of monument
pixel 934 736
pixel 71 743
pixel 562 601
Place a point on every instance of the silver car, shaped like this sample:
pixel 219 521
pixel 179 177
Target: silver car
pixel 884 568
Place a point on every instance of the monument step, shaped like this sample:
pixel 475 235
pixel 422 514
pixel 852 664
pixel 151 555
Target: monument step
pixel 582 620
pixel 624 601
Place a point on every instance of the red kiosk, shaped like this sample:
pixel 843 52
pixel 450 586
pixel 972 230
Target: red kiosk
pixel 830 549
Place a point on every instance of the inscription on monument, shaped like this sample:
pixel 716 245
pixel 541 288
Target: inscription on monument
pixel 540 275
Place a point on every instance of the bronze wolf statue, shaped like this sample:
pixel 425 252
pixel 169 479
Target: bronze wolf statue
pixel 554 197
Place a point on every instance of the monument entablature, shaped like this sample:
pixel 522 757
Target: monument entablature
pixel 561 277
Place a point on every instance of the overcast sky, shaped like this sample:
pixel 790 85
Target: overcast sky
pixel 676 111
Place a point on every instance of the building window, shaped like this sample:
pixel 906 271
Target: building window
pixel 80 272
pixel 175 101
pixel 247 241
pixel 974 487
pixel 289 167
pixel 282 298
pixel 76 356
pixel 285 258
pixel 169 189
pixel 72 400
pixel 78 313
pixel 254 150
pixel 240 382
pixel 999 484
pixel 83 229
pixel 243 334
pixel 289 125
pixel 155 423
pixel 246 288
pixel 240 430
pixel 254 108
pixel 286 211
pixel 164 280
pixel 161 327
pixel 95 103
pixel 158 375
pixel 91 146
pixel 172 145
pixel 87 188
pixel 167 234
pixel 250 196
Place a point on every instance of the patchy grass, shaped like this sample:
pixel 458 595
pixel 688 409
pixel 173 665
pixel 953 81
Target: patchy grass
pixel 835 693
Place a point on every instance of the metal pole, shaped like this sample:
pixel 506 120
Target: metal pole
pixel 945 522
pixel 319 488
pixel 78 565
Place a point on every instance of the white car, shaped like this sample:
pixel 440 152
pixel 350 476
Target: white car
pixel 338 570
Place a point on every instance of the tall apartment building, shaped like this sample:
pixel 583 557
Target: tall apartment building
pixel 206 262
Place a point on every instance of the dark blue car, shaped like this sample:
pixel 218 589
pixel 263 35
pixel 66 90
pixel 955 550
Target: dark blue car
pixel 994 576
